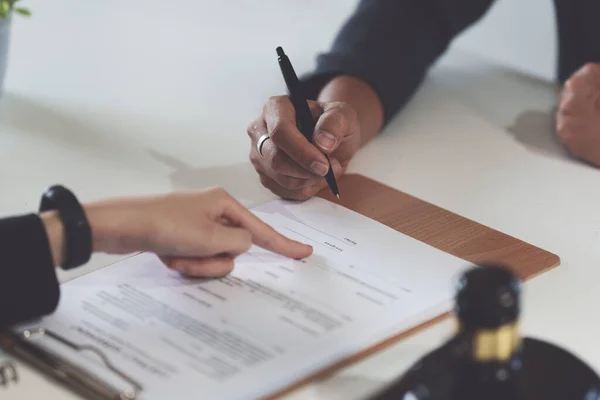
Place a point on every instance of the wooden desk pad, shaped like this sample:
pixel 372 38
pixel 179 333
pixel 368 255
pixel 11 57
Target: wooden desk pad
pixel 437 227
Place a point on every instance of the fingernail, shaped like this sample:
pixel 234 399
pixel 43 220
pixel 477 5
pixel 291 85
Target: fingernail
pixel 319 168
pixel 326 140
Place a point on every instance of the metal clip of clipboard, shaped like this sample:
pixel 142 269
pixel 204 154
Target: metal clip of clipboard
pixel 63 371
pixel 8 374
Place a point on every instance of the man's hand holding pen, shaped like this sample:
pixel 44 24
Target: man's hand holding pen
pixel 290 166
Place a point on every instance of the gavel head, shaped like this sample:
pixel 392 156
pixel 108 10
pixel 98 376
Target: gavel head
pixel 487 297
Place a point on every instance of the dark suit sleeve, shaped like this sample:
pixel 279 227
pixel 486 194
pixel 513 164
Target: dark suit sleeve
pixel 390 44
pixel 28 284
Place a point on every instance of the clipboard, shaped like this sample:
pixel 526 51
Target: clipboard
pixel 413 217
pixel 437 227
pixel 22 346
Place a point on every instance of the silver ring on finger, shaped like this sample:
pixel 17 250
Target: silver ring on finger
pixel 261 141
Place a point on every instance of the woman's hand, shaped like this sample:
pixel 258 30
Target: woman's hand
pixel 196 233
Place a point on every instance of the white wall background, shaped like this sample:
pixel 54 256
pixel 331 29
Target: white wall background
pixel 520 33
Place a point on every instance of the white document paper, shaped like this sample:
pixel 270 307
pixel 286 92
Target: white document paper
pixel 272 321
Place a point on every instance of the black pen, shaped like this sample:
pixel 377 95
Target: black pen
pixel 304 117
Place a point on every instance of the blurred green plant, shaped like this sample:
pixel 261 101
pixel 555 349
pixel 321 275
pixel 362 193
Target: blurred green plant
pixel 8 6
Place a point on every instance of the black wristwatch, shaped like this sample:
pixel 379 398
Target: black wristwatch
pixel 78 234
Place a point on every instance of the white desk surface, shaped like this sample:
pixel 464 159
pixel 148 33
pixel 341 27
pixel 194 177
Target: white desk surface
pixel 116 98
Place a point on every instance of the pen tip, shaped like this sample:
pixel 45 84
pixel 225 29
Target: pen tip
pixel 280 52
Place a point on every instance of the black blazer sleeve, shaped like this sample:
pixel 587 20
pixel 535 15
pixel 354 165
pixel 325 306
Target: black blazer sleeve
pixel 390 44
pixel 28 284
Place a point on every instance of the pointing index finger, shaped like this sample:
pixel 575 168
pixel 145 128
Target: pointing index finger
pixel 263 235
